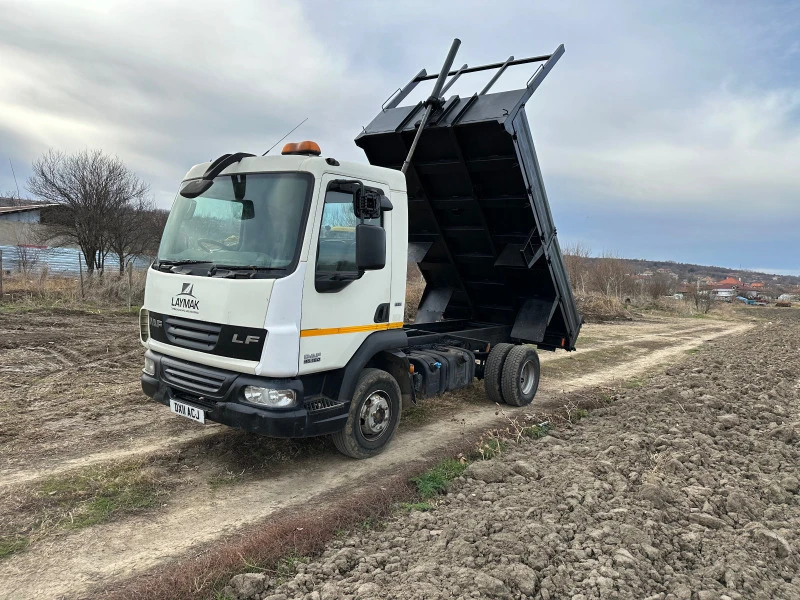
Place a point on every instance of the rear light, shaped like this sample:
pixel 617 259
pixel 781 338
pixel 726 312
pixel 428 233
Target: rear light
pixel 144 325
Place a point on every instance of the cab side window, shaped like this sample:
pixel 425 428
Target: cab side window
pixel 336 250
pixel 337 236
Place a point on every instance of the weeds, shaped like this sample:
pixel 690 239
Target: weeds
pixel 10 545
pixel 490 445
pixel 434 481
pixel 574 412
pixel 633 383
pixel 536 431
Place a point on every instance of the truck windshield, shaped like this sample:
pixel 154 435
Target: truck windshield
pixel 251 221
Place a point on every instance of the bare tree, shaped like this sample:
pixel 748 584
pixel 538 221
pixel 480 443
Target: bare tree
pixel 702 298
pixel 611 276
pixel 576 259
pixel 659 285
pixel 93 188
pixel 27 254
pixel 129 231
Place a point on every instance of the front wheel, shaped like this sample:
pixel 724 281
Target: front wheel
pixel 373 417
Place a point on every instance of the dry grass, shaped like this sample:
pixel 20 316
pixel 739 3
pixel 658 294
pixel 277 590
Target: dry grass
pixel 597 307
pixel 79 499
pixel 45 289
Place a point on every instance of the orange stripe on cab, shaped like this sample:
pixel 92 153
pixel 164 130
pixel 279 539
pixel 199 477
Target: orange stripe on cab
pixel 351 329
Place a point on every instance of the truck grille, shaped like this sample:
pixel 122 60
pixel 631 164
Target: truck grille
pixel 194 335
pixel 198 400
pixel 198 382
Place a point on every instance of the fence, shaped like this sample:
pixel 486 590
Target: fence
pixel 57 260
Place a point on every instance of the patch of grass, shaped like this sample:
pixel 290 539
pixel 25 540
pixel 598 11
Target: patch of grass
pixel 419 413
pixel 693 351
pixel 10 545
pixel 79 499
pixel 434 481
pixel 95 495
pixel 287 566
pixel 536 431
pixel 633 383
pixel 225 479
pixel 412 506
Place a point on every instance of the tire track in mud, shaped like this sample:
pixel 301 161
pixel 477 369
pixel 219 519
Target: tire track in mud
pixel 120 549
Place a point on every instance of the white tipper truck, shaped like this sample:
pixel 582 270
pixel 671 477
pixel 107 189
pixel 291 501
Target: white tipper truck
pixel 276 302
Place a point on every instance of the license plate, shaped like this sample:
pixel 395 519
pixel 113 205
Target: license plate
pixel 185 410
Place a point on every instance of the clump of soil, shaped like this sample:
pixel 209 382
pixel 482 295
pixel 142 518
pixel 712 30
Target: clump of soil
pixel 684 489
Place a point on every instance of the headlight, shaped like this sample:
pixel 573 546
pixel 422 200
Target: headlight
pixel 268 397
pixel 144 324
pixel 149 366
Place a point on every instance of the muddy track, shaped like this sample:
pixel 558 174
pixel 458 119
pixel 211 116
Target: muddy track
pixel 126 425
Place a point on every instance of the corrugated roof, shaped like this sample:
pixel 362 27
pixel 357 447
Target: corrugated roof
pixel 4 210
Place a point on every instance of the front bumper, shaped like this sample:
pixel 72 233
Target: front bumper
pixel 218 393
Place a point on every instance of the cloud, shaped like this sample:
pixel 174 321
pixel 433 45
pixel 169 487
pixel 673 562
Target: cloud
pixel 656 112
pixel 730 151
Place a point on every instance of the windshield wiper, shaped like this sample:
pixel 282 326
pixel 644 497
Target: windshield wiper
pixel 180 263
pixel 239 270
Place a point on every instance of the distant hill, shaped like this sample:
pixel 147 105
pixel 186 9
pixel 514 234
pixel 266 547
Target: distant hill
pixel 689 272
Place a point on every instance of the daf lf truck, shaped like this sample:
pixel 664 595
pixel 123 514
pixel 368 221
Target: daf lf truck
pixel 276 303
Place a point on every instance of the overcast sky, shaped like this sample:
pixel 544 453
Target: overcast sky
pixel 669 130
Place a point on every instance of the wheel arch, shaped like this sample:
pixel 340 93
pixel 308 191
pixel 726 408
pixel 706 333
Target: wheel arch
pixel 380 350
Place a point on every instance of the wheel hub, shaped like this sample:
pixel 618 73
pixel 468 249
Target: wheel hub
pixel 375 415
pixel 527 377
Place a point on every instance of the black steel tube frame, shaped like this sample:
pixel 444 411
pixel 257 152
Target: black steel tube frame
pixel 519 61
pixel 475 336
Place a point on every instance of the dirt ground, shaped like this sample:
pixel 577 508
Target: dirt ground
pixel 683 488
pixel 96 479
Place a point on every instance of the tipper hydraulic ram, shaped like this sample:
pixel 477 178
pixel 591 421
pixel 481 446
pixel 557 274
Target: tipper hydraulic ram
pixel 276 302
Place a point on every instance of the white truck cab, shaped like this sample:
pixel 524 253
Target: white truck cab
pixel 276 301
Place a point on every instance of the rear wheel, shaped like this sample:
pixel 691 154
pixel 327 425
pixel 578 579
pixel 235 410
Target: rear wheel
pixel 374 415
pixel 520 379
pixel 492 373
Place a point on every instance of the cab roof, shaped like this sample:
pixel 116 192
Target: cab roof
pixel 316 165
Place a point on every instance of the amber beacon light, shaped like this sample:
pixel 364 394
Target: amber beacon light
pixel 306 147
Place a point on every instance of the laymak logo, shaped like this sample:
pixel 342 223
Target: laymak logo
pixel 186 300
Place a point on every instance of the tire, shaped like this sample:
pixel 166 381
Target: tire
pixel 521 372
pixel 360 437
pixel 493 372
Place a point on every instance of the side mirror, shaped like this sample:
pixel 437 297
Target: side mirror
pixel 367 204
pixel 370 247
pixel 195 187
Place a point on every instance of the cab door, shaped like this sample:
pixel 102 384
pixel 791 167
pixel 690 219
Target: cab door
pixel 341 305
